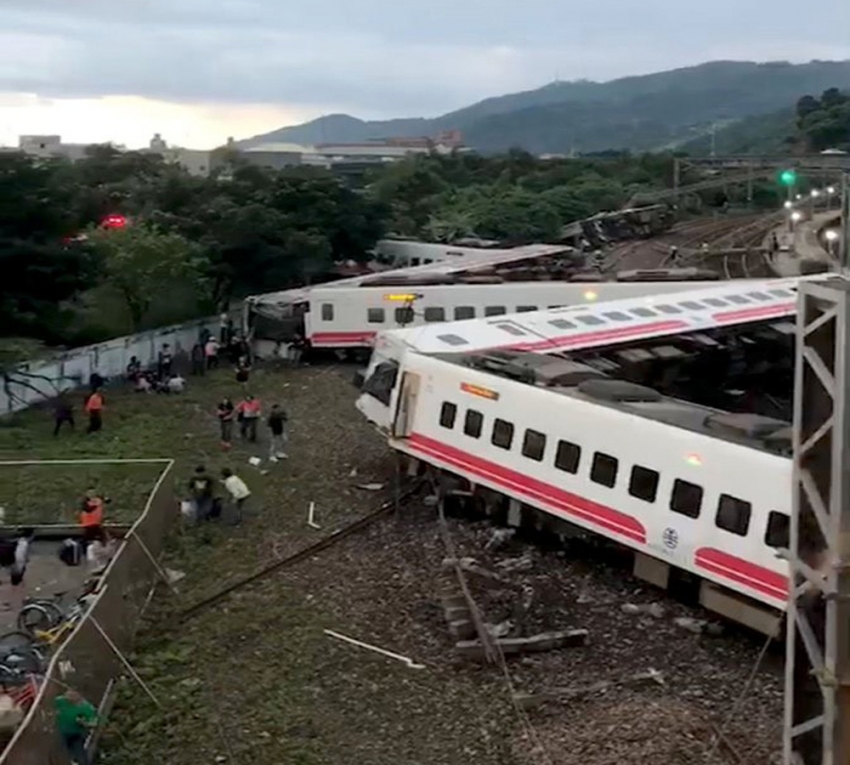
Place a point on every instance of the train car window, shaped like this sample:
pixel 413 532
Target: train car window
pixel 553 307
pixel 604 470
pixel 591 321
pixel 503 434
pixel 617 316
pixel 691 305
pixel 473 423
pixel 526 308
pixel 643 313
pixel 562 324
pixel 568 457
pixel 463 312
pixel 375 315
pixel 382 381
pixel 686 498
pixel 643 483
pixel 404 315
pixel 435 313
pixel 780 293
pixel 494 310
pixel 716 302
pixel 737 299
pixel 733 515
pixel 758 296
pixel 667 309
pixel 327 312
pixel 778 532
pixel 453 339
pixel 533 445
pixel 448 414
pixel 510 329
pixel 414 261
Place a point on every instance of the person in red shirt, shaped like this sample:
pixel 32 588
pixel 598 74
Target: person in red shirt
pixel 249 412
pixel 94 409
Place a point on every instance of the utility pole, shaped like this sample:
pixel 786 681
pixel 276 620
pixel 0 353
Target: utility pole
pixel 817 723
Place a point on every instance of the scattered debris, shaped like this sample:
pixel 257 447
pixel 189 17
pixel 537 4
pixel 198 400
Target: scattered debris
pixel 499 538
pixel 404 659
pixel 255 461
pixel 174 576
pixel 503 629
pixel 432 500
pixel 371 486
pixel 545 641
pixel 525 563
pixel 529 700
pixel 310 512
pixel 652 609
pixel 473 567
pixel 692 625
pixel 353 473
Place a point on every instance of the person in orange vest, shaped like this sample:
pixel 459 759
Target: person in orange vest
pixel 248 412
pixel 94 409
pixel 91 514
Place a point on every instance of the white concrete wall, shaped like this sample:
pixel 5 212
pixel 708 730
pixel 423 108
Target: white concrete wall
pixel 72 369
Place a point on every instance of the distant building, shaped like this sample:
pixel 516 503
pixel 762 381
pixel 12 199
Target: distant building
pixel 194 161
pixel 45 146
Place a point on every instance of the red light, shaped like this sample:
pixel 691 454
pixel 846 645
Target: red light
pixel 114 221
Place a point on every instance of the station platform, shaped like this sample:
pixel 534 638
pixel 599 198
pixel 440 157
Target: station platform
pixel 803 244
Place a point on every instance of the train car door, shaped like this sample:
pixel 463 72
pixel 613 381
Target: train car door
pixel 406 406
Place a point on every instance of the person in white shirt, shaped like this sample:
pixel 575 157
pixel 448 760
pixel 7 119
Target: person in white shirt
pixel 176 384
pixel 238 490
pixel 99 552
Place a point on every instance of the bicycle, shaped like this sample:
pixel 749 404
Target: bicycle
pixel 46 615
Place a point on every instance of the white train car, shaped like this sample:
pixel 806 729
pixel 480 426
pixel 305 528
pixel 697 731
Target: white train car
pixel 584 326
pixel 683 486
pixel 349 313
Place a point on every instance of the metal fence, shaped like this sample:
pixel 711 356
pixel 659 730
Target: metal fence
pixel 88 662
pixel 42 379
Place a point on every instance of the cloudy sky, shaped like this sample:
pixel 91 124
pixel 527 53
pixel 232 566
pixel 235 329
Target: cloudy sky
pixel 200 70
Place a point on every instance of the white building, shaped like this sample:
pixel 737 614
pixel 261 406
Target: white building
pixel 194 161
pixel 51 146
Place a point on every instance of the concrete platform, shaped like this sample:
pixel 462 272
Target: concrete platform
pixel 803 244
pixel 45 576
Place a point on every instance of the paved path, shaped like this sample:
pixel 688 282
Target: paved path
pixel 802 244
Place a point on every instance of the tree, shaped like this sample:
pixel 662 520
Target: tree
pixel 142 262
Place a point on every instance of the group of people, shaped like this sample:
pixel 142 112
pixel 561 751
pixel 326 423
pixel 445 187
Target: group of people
pixel 205 503
pixel 248 413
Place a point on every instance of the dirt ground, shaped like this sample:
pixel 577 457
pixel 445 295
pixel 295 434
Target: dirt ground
pixel 256 678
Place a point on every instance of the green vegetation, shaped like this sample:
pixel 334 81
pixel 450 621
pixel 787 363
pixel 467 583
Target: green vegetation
pixel 824 123
pixel 190 244
pixel 644 113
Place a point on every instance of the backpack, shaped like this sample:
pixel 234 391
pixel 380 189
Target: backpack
pixel 70 553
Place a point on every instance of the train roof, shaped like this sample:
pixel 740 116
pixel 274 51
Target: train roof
pixel 609 323
pixel 473 260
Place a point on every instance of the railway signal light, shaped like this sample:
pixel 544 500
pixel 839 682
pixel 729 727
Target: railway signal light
pixel 788 177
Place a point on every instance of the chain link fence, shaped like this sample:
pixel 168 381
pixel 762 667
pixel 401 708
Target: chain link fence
pixel 88 661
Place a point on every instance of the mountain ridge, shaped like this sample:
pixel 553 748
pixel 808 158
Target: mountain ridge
pixel 637 112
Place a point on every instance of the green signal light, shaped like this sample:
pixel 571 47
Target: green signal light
pixel 788 177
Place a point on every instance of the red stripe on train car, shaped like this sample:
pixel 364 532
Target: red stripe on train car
pixel 341 338
pixel 617 333
pixel 758 312
pixel 567 503
pixel 743 572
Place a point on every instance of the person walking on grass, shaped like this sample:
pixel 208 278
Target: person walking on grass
pixel 238 490
pixel 75 717
pixel 249 413
pixel 201 489
pixel 277 427
pixel 62 412
pixel 225 414
pixel 94 409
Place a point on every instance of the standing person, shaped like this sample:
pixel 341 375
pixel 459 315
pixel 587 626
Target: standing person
pixel 243 370
pixel 201 489
pixel 225 413
pixel 94 409
pixel 74 718
pixel 249 412
pixel 14 555
pixel 164 361
pixel 277 426
pixel 134 369
pixel 223 322
pixel 199 363
pixel 238 490
pixel 63 412
pixel 92 511
pixel 100 550
pixel 211 353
